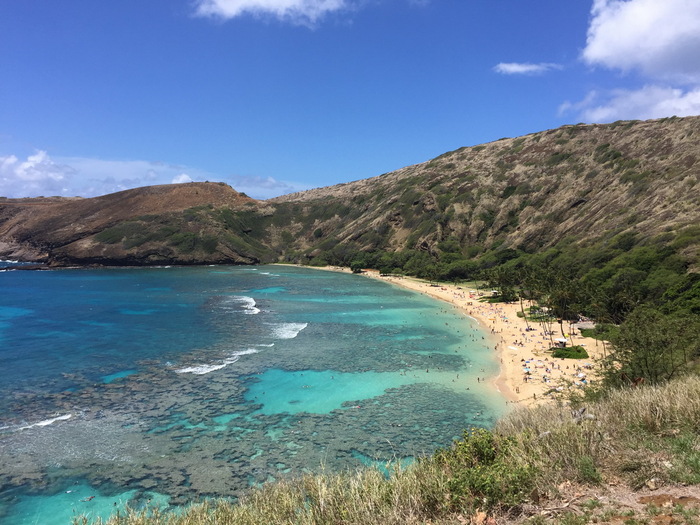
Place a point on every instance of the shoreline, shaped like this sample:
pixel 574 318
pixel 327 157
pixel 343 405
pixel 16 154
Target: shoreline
pixel 529 375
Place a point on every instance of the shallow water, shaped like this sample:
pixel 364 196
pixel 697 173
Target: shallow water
pixel 162 386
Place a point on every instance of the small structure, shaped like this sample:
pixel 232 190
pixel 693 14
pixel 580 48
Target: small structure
pixel 561 342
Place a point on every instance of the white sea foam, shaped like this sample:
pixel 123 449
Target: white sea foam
pixel 288 330
pixel 47 422
pixel 205 369
pixel 245 352
pixel 247 303
pixel 200 369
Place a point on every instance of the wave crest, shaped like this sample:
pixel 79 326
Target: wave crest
pixel 288 330
pixel 47 422
pixel 248 304
pixel 207 368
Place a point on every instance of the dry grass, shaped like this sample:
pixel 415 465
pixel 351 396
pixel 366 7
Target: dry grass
pixel 364 496
pixel 631 437
pixel 630 434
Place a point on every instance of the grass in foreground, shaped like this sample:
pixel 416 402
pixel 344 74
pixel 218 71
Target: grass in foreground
pixel 635 437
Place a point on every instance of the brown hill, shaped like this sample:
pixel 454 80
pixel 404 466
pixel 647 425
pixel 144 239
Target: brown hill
pixel 577 184
pixel 584 182
pixel 62 230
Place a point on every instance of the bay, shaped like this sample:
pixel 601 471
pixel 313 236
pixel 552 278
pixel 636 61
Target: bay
pixel 162 386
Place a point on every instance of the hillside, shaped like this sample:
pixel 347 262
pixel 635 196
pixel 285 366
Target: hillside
pixel 581 184
pixel 585 182
pixel 149 225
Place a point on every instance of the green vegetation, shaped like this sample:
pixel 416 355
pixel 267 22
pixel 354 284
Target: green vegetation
pixel 653 346
pixel 629 437
pixel 199 231
pixel 605 280
pixel 602 331
pixel 573 352
pixel 483 473
pixel 558 158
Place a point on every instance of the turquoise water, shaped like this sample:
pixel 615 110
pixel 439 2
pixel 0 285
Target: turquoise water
pixel 161 386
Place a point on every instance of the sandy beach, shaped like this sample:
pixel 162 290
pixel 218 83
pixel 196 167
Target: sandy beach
pixel 528 374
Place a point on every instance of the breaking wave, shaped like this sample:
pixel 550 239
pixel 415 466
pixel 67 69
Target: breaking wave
pixel 207 368
pixel 287 330
pixel 47 422
pixel 247 303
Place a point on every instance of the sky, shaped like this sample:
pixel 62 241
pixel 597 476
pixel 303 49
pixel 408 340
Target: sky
pixel 277 96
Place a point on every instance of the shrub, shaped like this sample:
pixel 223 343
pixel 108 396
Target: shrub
pixel 118 232
pixel 483 472
pixel 184 241
pixel 573 352
pixel 558 158
pixel 602 331
pixel 210 243
pixel 110 236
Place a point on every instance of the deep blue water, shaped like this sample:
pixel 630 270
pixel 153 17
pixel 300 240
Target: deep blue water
pixel 165 385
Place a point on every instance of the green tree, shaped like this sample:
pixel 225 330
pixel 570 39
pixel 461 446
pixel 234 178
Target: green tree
pixel 558 292
pixel 652 347
pixel 504 279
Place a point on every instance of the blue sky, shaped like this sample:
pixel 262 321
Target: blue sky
pixel 275 96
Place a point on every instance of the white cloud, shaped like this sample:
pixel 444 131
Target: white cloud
pixel 660 38
pixel 305 12
pixel 264 187
pixel 646 103
pixel 182 179
pixel 40 175
pixel 524 68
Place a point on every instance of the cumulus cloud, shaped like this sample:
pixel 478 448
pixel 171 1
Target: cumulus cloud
pixel 661 39
pixel 41 175
pixel 305 12
pixel 37 175
pixel 182 179
pixel 264 187
pixel 646 103
pixel 658 40
pixel 524 68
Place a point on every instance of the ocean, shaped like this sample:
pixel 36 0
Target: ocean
pixel 163 386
